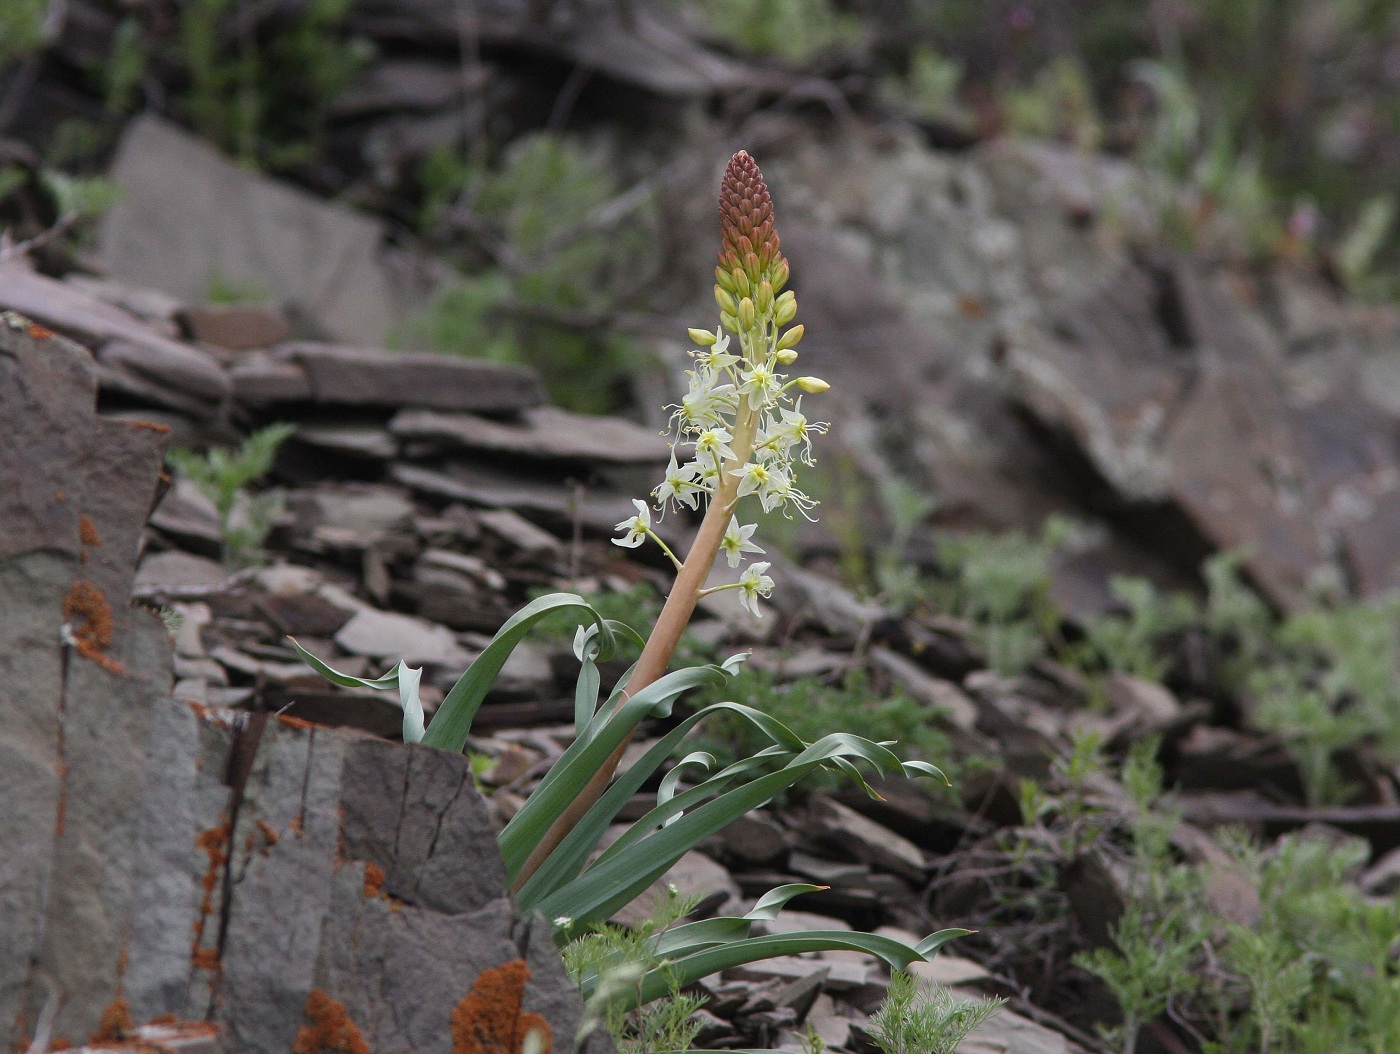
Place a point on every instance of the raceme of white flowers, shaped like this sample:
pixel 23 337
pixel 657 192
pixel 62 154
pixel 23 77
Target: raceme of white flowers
pixel 738 430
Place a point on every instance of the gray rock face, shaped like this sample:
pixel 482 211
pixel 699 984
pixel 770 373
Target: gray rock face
pixel 217 222
pixel 1023 360
pixel 162 858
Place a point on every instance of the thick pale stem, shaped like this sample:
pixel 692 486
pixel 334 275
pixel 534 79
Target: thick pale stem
pixel 665 635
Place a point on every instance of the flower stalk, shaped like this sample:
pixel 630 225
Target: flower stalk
pixel 739 430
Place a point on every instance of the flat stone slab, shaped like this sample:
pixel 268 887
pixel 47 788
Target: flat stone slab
pixel 348 376
pixel 390 636
pixel 189 218
pixel 121 341
pixel 542 432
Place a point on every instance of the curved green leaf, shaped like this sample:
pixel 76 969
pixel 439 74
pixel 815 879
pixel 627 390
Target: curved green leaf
pixel 691 968
pixel 405 678
pixel 453 721
pixel 571 773
pixel 568 858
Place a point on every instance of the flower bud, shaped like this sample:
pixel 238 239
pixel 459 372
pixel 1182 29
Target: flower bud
pixel 791 338
pixel 747 317
pixel 785 308
pixel 726 282
pixel 702 337
pixel 729 322
pixel 787 357
pixel 780 275
pixel 812 385
pixel 763 297
pixel 725 301
pixel 741 282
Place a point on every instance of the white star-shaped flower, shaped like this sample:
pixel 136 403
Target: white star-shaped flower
pixel 679 486
pixel 736 541
pixel 716 356
pixel 637 527
pixel 755 584
pixel 712 446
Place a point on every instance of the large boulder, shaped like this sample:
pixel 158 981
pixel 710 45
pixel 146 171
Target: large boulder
pixel 292 885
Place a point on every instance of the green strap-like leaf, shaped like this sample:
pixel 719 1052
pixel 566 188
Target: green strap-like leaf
pixel 657 983
pixel 568 858
pixel 453 721
pixel 571 773
pixel 405 678
pixel 622 873
pixel 772 902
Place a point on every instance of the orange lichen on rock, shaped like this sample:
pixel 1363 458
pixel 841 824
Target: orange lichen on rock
pixel 150 426
pixel 115 1024
pixel 489 1019
pixel 214 844
pixel 331 1031
pixel 374 880
pixel 38 332
pixel 295 722
pixel 89 619
pixel 87 531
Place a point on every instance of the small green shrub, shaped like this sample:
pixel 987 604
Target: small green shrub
pixel 23 28
pixel 926 1018
pixel 618 957
pixel 1001 585
pixel 1133 641
pixel 794 30
pixel 1314 974
pixel 265 98
pixel 224 475
pixel 930 88
pixel 558 266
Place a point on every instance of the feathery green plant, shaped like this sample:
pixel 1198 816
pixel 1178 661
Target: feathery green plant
pixel 223 476
pixel 927 1018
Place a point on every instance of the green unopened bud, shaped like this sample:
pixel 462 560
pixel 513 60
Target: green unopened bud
pixel 729 322
pixel 763 298
pixel 780 275
pixel 792 337
pixel 812 385
pixel 785 308
pixel 741 282
pixel 747 316
pixel 786 357
pixel 725 301
pixel 723 278
pixel 703 337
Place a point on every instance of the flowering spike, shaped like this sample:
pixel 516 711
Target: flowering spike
pixel 746 221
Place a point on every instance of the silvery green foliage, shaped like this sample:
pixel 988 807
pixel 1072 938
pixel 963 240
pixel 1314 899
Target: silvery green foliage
pixel 927 1018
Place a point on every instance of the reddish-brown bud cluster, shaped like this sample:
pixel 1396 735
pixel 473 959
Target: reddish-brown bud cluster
pixel 750 242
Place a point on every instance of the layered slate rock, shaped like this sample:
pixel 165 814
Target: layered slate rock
pixel 545 432
pixel 263 874
pixel 349 376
